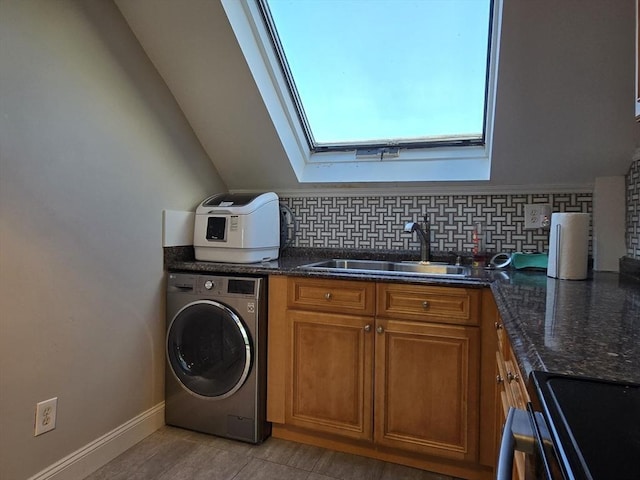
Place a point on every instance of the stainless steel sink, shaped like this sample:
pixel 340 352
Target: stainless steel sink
pixel 389 268
pixel 352 265
pixel 431 269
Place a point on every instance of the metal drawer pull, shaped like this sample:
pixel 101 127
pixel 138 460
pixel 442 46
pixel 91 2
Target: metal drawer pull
pixel 327 296
pixel 425 304
pixel 511 377
pixel 499 379
pixel 367 328
pixel 380 329
pixel 498 325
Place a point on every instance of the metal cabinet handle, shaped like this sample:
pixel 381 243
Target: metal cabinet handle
pixel 327 296
pixel 499 379
pixel 367 328
pixel 379 329
pixel 498 325
pixel 522 429
pixel 512 376
pixel 425 304
pixel 504 469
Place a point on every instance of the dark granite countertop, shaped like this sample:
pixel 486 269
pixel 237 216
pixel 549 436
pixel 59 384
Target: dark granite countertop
pixel 177 260
pixel 588 327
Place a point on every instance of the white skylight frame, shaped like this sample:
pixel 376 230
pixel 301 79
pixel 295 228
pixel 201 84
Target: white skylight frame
pixel 455 163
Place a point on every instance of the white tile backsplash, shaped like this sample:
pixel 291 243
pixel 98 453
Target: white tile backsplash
pixel 376 222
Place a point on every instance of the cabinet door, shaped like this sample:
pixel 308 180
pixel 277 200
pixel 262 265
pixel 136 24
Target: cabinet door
pixel 330 373
pixel 426 388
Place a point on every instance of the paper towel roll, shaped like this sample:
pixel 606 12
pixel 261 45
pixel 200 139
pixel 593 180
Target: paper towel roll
pixel 569 246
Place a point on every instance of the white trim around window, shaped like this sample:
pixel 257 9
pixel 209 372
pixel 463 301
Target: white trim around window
pixel 413 165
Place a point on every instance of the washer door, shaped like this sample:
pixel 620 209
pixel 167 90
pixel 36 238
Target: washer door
pixel 208 349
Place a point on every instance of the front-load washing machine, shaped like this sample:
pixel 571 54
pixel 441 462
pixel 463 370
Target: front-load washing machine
pixel 215 379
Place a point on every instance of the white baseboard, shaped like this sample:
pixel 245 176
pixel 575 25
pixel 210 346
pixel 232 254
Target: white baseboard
pixel 94 455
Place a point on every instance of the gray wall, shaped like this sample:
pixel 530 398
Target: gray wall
pixel 92 148
pixel 565 105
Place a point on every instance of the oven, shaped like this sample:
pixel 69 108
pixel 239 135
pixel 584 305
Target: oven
pixel 574 428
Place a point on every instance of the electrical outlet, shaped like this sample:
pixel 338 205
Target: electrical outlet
pixel 537 216
pixel 45 416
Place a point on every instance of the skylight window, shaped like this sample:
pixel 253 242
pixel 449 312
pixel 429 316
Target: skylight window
pixel 376 90
pixel 380 73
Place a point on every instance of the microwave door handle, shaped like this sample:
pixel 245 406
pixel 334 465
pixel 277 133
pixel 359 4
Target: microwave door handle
pixel 517 435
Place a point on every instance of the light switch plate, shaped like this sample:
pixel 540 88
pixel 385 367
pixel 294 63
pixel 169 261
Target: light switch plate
pixel 537 216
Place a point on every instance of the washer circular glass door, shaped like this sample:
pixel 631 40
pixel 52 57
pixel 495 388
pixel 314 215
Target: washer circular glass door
pixel 209 349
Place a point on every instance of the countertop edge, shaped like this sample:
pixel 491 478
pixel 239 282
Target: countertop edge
pixel 528 359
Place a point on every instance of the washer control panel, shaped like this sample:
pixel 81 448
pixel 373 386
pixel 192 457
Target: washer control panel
pixel 213 285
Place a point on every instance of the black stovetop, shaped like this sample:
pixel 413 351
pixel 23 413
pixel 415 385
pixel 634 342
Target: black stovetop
pixel 595 425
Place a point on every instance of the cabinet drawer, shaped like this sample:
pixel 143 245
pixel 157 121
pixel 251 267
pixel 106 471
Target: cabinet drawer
pixel 511 390
pixel 340 296
pixel 510 395
pixel 506 393
pixel 511 381
pixel 427 303
pixel 501 334
pixel 516 383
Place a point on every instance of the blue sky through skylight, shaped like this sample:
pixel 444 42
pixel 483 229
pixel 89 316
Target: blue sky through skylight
pixel 371 70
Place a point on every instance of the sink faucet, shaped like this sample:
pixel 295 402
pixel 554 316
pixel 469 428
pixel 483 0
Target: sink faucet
pixel 425 240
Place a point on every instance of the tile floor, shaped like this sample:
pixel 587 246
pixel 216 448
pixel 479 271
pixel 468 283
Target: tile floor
pixel 177 454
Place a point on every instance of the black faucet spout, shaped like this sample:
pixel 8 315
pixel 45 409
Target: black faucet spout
pixel 425 240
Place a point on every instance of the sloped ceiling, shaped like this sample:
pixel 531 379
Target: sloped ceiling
pixel 564 110
pixel 194 49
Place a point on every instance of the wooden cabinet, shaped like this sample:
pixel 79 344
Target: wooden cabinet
pixel 329 370
pixel 426 375
pixel 429 304
pixel 426 387
pixel 336 296
pixel 386 370
pixel 330 373
pixel 510 392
